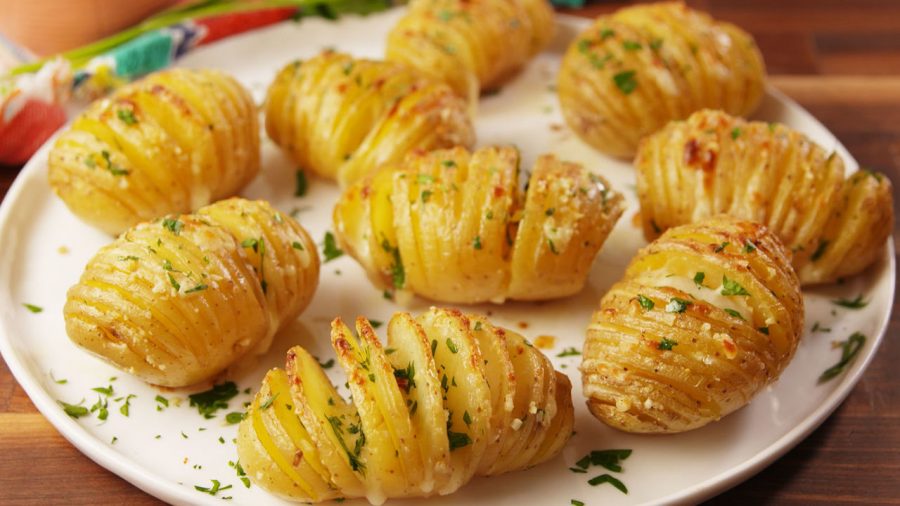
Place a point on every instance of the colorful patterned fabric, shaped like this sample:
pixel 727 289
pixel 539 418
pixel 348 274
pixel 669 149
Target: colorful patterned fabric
pixel 33 96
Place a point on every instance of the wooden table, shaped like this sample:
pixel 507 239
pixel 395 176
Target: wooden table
pixel 818 52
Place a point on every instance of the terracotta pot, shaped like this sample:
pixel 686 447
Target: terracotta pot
pixel 46 27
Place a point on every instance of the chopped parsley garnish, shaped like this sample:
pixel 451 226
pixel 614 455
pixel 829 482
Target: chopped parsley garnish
pixel 297 245
pixel 608 478
pixel 552 246
pixel 241 474
pixel 101 408
pixel 818 328
pixel 161 402
pixel 731 287
pixel 406 378
pixel 398 274
pixel 698 278
pixel 251 242
pixel 61 381
pixel 173 226
pixel 458 440
pixel 426 194
pixel 198 288
pixel 655 44
pixel 107 391
pixel 466 418
pixel 764 330
pixel 734 313
pixel 477 326
pixel 608 459
pixel 735 133
pixel 606 33
pixel 214 399
pixel 234 417
pixel 476 243
pixel 175 284
pixel 127 116
pixel 376 323
pixel 330 249
pixel 849 350
pixel 214 489
pixel 749 247
pixel 677 305
pixel 550 211
pixel 424 178
pixel 631 45
pixel 114 169
pixel 857 303
pixel 626 81
pixel 452 346
pixel 721 247
pixel 569 352
pixel 448 163
pixel 125 408
pixel 301 184
pixel 33 308
pixel 433 347
pixel 576 502
pixel 820 250
pixel 327 364
pixel 266 404
pixel 74 410
pixel 645 302
pixel 666 344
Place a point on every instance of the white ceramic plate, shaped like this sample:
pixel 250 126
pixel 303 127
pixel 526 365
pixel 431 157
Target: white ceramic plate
pixel 168 452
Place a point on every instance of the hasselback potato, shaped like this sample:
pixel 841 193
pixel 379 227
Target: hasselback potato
pixel 169 143
pixel 705 317
pixel 342 117
pixel 473 45
pixel 451 397
pixel 175 301
pixel 713 163
pixel 455 226
pixel 632 72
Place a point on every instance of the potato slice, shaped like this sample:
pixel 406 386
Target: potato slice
pixel 414 367
pixel 501 378
pixel 382 471
pixel 466 392
pixel 327 418
pixel 273 443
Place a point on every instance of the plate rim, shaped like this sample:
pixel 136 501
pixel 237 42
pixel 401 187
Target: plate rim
pixel 138 476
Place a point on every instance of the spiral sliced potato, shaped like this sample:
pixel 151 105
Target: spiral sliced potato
pixel 175 301
pixel 632 72
pixel 170 143
pixel 713 163
pixel 472 45
pixel 704 318
pixel 451 397
pixel 454 226
pixel 341 117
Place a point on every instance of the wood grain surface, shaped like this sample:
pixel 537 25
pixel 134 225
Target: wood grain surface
pixel 839 59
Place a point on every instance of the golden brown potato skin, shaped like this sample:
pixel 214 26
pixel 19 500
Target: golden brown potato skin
pixel 705 317
pixel 472 45
pixel 343 117
pixel 169 143
pixel 713 163
pixel 632 72
pixel 455 226
pixel 175 301
pixel 451 397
